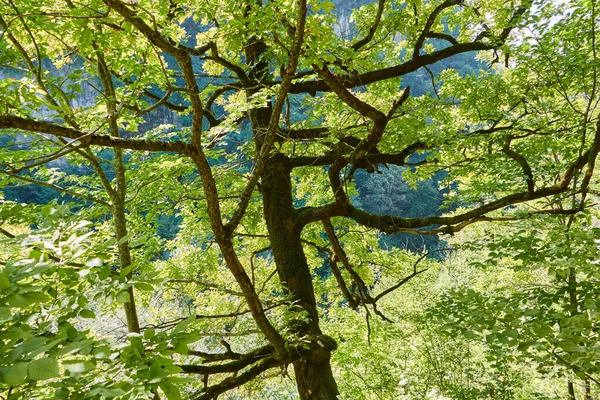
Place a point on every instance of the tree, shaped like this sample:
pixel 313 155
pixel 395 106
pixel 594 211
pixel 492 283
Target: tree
pixel 283 113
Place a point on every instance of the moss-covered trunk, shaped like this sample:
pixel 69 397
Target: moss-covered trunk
pixel 313 371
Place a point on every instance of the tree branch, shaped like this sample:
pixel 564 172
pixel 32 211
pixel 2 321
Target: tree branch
pixel 212 392
pixel 430 21
pixel 271 135
pixel 30 125
pixel 442 36
pixel 364 41
pixel 338 254
pixel 412 65
pixel 451 224
pixel 154 36
pixel 522 162
pixel 57 188
pixel 233 366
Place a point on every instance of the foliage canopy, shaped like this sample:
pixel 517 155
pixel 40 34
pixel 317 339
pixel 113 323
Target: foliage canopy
pixel 275 115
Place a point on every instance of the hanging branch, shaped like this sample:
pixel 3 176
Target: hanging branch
pixel 409 277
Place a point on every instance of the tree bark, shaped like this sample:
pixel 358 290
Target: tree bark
pixel 314 377
pixel 571 390
pixel 588 389
pixel 120 224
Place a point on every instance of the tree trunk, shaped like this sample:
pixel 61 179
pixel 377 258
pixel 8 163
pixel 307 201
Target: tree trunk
pixel 588 390
pixel 315 380
pixel 571 390
pixel 314 377
pixel 119 219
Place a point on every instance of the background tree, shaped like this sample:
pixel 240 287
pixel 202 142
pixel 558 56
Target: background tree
pixel 282 114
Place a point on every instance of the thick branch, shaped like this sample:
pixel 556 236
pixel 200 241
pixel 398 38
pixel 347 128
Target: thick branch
pixel 525 6
pixel 212 392
pixel 239 71
pixel 233 366
pixel 379 119
pixel 595 148
pixel 391 224
pixel 443 36
pixel 390 72
pixel 30 125
pixel 265 150
pixel 336 83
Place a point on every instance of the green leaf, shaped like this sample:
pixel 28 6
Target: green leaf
pixel 123 297
pixel 513 333
pixel 143 286
pixel 82 347
pixel 124 239
pixel 14 375
pixel 43 368
pixel 78 366
pixel 4 282
pixel 148 333
pixel 87 314
pixel 110 392
pixel 170 390
pixel 5 313
pixel 61 393
pixel 104 272
pixel 181 347
pixel 573 348
pixel 26 299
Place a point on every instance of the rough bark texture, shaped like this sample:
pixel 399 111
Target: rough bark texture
pixel 314 377
pixel 133 324
pixel 315 380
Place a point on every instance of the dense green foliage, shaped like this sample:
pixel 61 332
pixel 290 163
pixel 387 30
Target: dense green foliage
pixel 243 199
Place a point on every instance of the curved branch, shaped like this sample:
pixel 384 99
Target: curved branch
pixel 430 21
pixel 338 253
pixel 522 162
pixel 166 103
pixel 409 277
pixel 233 366
pixel 443 36
pixel 379 119
pixel 336 84
pixel 212 392
pixel 314 86
pixel 451 224
pixel 152 35
pixel 239 71
pixel 364 41
pixel 57 188
pixel 30 125
pixel 595 149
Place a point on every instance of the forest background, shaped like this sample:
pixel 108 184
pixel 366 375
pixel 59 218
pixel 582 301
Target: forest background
pixel 147 250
